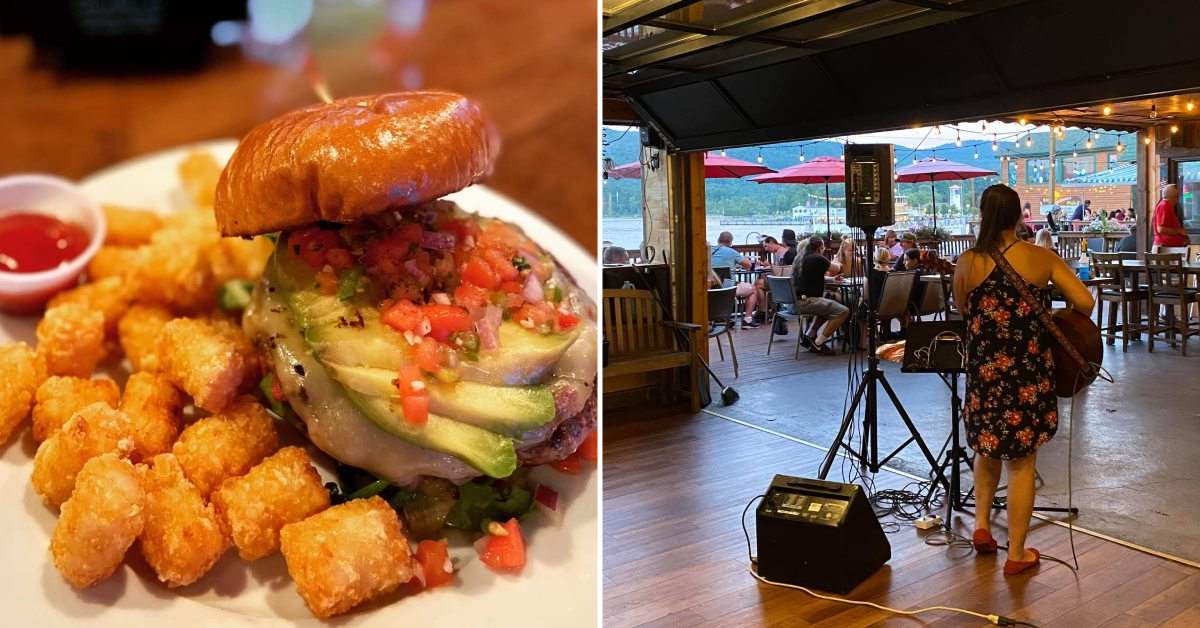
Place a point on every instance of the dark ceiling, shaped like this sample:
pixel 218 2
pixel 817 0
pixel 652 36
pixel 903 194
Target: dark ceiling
pixel 715 73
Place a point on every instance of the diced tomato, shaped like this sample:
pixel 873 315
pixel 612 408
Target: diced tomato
pixel 501 263
pixel 445 320
pixel 326 282
pixel 457 228
pixel 313 244
pixel 567 320
pixel 479 273
pixel 416 409
pixel 405 378
pixel 339 259
pixel 276 390
pixel 534 316
pixel 571 465
pixel 402 316
pixel 430 355
pixel 589 448
pixel 512 287
pixel 410 232
pixel 501 236
pixel 512 301
pixel 468 295
pixel 504 553
pixel 433 558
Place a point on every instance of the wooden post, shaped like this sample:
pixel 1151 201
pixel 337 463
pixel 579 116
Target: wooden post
pixel 685 197
pixel 1147 186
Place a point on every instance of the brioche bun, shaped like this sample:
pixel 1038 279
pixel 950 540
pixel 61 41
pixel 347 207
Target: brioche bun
pixel 352 158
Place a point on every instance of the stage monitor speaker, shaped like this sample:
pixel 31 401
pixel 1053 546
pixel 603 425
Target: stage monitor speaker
pixel 870 182
pixel 818 534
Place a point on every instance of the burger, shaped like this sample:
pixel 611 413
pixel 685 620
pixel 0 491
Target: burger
pixel 421 346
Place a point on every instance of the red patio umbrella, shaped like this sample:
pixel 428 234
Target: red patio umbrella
pixel 716 166
pixel 933 169
pixel 820 170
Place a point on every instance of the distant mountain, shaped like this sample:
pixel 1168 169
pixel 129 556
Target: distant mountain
pixel 737 197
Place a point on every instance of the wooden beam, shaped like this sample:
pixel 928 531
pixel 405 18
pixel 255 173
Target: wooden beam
pixel 1147 186
pixel 618 111
pixel 685 172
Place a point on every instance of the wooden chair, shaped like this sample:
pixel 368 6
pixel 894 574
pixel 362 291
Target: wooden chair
pixel 639 339
pixel 721 303
pixel 1168 288
pixel 783 294
pixel 1070 245
pixel 1120 294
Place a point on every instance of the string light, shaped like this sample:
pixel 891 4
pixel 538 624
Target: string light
pixel 1191 105
pixel 801 153
pixel 1022 120
pixel 1153 110
pixel 995 145
pixel 1146 140
pixel 977 153
pixel 723 152
pixel 1120 146
pixel 1174 129
pixel 1107 110
pixel 759 159
pixel 1028 140
pixel 1088 143
pixel 957 137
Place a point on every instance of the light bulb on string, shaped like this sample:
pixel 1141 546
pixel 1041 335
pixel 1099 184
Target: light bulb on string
pixel 759 159
pixel 1107 110
pixel 1028 141
pixel 995 144
pixel 801 153
pixel 1022 120
pixel 1153 110
pixel 976 155
pixel 1174 129
pixel 1088 143
pixel 1120 146
pixel 722 152
pixel 957 137
pixel 1146 140
pixel 1191 105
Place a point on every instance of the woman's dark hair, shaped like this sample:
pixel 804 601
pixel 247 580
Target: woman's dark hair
pixel 815 244
pixel 789 237
pixel 770 240
pixel 999 210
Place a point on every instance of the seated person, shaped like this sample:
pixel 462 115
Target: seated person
pixel 725 256
pixel 1128 244
pixel 809 278
pixel 907 243
pixel 847 258
pixel 1043 239
pixel 789 256
pixel 616 256
pixel 877 274
pixel 892 244
pixel 911 260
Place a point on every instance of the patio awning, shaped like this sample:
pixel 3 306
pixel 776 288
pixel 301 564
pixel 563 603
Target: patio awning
pixel 710 74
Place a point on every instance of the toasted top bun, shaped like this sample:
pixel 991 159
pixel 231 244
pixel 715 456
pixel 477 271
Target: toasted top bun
pixel 351 158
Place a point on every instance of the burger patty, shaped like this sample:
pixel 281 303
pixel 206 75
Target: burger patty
pixel 565 438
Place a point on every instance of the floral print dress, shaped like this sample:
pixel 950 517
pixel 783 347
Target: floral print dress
pixel 1011 408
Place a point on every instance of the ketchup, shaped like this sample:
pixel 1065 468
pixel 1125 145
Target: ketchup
pixel 33 242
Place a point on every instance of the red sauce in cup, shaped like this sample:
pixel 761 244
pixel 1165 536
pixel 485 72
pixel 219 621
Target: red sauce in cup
pixel 33 242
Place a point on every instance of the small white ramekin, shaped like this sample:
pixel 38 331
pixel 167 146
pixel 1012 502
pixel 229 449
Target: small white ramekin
pixel 25 293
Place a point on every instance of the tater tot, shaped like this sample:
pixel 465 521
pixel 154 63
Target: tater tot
pixel 282 489
pixel 94 430
pixel 227 444
pixel 235 258
pixel 138 332
pixel 99 522
pixel 173 270
pixel 153 405
pixel 200 358
pixel 245 348
pixel 71 339
pixel 346 555
pixel 128 226
pixel 183 536
pixel 59 398
pixel 109 296
pixel 199 172
pixel 23 373
pixel 112 261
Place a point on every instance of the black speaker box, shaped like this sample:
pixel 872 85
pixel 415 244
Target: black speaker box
pixel 818 534
pixel 870 185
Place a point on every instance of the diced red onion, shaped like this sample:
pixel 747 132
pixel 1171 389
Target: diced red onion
pixel 437 240
pixel 488 327
pixel 419 573
pixel 481 544
pixel 440 297
pixel 533 292
pixel 415 271
pixel 547 501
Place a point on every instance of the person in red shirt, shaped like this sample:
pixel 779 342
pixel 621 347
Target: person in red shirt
pixel 1169 235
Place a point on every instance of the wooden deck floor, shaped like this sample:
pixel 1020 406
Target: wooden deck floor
pixel 674 554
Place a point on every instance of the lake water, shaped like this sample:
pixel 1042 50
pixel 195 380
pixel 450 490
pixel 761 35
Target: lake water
pixel 627 232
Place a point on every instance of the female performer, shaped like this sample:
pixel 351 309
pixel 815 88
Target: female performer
pixel 1011 408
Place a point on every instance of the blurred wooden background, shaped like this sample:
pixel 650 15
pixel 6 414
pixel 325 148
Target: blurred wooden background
pixel 531 65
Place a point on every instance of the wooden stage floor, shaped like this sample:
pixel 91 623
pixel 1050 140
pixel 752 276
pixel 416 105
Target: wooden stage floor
pixel 674 554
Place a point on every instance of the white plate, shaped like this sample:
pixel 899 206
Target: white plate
pixel 556 588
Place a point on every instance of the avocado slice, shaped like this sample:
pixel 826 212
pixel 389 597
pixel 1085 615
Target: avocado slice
pixel 524 357
pixel 511 410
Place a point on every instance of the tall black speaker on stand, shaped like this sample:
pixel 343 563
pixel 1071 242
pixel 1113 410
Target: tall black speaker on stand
pixel 869 205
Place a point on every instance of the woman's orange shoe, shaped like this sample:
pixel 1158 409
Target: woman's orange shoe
pixel 983 542
pixel 1014 567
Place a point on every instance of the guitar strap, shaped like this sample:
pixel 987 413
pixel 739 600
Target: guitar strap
pixel 1040 309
